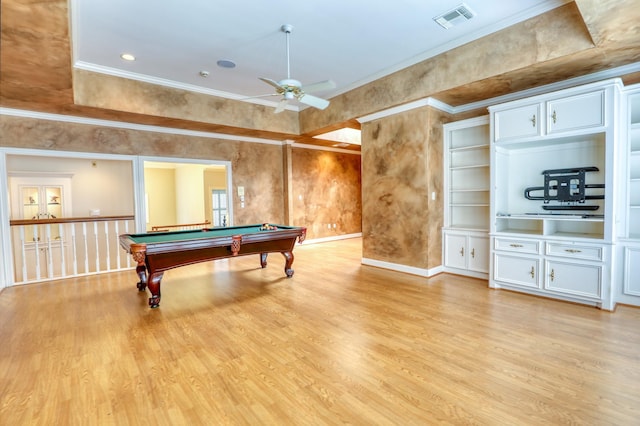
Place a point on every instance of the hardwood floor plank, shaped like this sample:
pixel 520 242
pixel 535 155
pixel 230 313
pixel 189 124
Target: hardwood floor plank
pixel 338 343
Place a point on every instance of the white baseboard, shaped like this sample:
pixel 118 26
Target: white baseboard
pixel 334 238
pixel 403 268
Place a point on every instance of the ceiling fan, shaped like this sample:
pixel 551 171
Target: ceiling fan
pixel 291 89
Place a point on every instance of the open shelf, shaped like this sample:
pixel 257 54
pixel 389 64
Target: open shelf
pixel 551 227
pixel 472 216
pixel 469 148
pixel 634 165
pixel 518 170
pixel 467 157
pixel 469 197
pixel 468 137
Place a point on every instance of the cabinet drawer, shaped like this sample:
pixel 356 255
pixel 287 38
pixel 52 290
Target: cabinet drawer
pixel 521 271
pixel 576 112
pixel 517 246
pixel 575 251
pixel 581 280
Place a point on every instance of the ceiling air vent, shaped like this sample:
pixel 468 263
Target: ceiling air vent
pixel 461 13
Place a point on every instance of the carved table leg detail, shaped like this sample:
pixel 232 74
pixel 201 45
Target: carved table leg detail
pixel 289 261
pixel 141 270
pixel 154 288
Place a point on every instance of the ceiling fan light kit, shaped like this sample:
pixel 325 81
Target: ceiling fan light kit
pixel 291 89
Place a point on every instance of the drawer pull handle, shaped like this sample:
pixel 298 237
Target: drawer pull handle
pixel 462 252
pixel 516 245
pixel 533 120
pixel 553 116
pixel 532 272
pixel 473 253
pixel 573 251
pixel 553 275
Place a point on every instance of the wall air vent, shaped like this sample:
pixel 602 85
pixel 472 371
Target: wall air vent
pixel 455 16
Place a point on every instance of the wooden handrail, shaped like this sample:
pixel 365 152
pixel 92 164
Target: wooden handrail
pixel 20 222
pixel 160 228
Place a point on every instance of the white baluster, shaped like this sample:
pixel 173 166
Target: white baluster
pixel 106 237
pixel 95 237
pixel 74 250
pixel 86 248
pixel 49 252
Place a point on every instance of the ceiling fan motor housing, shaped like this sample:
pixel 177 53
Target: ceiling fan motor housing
pixel 290 82
pixel 291 89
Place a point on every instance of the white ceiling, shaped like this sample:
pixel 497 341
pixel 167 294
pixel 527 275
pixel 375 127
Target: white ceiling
pixel 351 42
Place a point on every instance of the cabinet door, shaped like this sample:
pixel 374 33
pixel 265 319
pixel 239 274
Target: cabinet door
pixel 40 197
pixel 582 280
pixel 517 123
pixel 576 112
pixel 455 251
pixel 478 254
pixel 522 271
pixel 631 271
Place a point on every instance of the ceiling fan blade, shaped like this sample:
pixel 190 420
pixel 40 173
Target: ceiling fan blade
pixel 281 106
pixel 321 85
pixel 313 101
pixel 259 96
pixel 271 82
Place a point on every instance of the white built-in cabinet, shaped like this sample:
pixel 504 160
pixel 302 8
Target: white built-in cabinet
pixel 541 243
pixel 466 197
pixel 629 233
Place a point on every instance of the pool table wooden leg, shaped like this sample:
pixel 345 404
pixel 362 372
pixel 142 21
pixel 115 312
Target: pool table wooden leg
pixel 154 288
pixel 141 270
pixel 263 260
pixel 287 266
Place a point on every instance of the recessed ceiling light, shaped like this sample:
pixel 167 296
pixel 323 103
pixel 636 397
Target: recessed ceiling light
pixel 226 63
pixel 128 57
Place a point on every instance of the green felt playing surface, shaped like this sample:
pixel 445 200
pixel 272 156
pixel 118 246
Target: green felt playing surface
pixel 162 237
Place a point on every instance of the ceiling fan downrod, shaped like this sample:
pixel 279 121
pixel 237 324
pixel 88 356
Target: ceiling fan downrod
pixel 287 28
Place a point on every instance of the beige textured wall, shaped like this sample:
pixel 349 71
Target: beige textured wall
pixel 263 184
pixel 121 94
pixel 328 181
pixel 402 166
pixel 213 179
pixel 326 190
pixel 112 177
pixel 161 196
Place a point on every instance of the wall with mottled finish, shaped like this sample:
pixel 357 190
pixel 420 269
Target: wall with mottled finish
pixel 402 164
pixel 263 184
pixel 121 94
pixel 326 190
pixel 329 181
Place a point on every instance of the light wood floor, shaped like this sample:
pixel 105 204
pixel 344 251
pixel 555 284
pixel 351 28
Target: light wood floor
pixel 339 343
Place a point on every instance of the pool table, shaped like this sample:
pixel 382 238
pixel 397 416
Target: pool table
pixel 157 252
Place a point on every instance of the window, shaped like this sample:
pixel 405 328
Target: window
pixel 219 207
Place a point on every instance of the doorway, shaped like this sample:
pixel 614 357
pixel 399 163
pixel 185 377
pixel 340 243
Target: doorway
pixel 178 192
